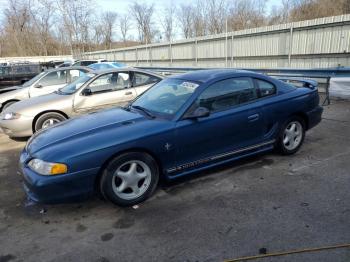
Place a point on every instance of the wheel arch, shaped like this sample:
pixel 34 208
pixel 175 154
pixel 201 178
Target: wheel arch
pixel 129 150
pixel 303 116
pixel 9 101
pixel 45 112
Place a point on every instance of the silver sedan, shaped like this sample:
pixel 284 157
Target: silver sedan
pixel 90 92
pixel 42 84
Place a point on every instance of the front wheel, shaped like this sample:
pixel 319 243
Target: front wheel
pixel 291 136
pixel 129 179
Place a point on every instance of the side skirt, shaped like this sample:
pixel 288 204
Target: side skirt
pixel 235 155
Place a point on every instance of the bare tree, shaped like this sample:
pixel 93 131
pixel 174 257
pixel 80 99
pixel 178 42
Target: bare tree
pixel 17 17
pixel 199 19
pixel 142 14
pixel 76 16
pixel 124 26
pixel 42 17
pixel 247 14
pixel 216 16
pixel 168 21
pixel 109 19
pixel 185 18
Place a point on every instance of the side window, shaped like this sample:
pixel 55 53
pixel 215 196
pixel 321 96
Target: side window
pixel 54 78
pixel 227 93
pixel 74 74
pixel 140 79
pixel 265 88
pixel 87 63
pixel 110 82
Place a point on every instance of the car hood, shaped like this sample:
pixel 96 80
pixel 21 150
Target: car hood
pixel 8 89
pixel 10 93
pixel 35 105
pixel 91 128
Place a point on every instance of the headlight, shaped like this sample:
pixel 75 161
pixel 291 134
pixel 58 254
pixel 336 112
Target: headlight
pixel 46 168
pixel 10 116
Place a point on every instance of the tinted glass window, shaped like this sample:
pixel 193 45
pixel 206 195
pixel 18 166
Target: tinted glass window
pixel 74 74
pixel 265 88
pixel 110 82
pixel 75 85
pixel 143 79
pixel 166 97
pixel 227 93
pixel 54 78
pixel 86 63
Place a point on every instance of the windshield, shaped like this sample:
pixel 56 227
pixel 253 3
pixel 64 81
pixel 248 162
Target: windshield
pixel 33 80
pixel 166 97
pixel 75 85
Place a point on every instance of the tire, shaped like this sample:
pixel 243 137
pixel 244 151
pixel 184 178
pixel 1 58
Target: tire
pixel 8 104
pixel 289 133
pixel 47 120
pixel 127 172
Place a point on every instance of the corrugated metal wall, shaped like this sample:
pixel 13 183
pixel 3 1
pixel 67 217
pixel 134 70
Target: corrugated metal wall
pixel 318 43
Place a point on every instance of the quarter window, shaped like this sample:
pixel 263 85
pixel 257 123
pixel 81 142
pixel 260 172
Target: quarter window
pixel 227 93
pixel 265 88
pixel 110 82
pixel 143 79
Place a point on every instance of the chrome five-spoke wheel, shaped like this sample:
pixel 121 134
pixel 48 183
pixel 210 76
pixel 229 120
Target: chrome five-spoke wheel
pixel 292 136
pixel 129 178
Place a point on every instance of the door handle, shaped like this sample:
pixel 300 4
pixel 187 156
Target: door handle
pixel 128 93
pixel 253 118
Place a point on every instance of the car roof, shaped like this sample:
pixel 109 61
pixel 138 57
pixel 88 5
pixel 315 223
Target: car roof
pixel 210 74
pixel 115 70
pixel 69 68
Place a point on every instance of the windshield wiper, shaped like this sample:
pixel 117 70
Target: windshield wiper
pixel 144 110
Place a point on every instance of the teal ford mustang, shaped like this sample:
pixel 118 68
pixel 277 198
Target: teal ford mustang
pixel 181 125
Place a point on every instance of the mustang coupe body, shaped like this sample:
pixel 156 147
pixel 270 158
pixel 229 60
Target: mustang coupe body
pixel 183 124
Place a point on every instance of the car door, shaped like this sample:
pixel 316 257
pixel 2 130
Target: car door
pixel 270 106
pixel 142 81
pixel 49 83
pixel 107 90
pixel 235 122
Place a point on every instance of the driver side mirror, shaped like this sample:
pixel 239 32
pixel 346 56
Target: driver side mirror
pixel 38 86
pixel 200 112
pixel 86 92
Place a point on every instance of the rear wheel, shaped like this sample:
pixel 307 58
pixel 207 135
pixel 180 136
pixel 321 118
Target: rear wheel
pixel 291 136
pixel 48 119
pixel 129 179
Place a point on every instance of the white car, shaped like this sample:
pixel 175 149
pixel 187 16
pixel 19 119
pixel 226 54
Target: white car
pixel 42 84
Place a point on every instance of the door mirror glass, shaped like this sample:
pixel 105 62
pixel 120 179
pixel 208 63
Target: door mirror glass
pixel 86 92
pixel 200 112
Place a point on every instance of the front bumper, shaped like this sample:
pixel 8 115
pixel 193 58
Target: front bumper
pixel 314 116
pixel 57 189
pixel 21 127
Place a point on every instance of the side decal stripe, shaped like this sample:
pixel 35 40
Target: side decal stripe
pixel 216 157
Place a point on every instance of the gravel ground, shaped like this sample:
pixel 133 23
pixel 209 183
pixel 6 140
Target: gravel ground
pixel 273 202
